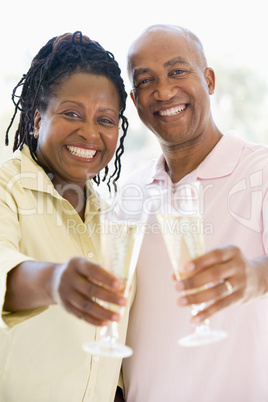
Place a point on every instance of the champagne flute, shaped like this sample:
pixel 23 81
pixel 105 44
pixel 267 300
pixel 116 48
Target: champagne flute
pixel 178 213
pixel 120 245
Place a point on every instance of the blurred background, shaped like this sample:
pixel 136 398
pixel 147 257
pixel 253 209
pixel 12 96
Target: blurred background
pixel 233 33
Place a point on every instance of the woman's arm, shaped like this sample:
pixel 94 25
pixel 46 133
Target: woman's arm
pixel 74 285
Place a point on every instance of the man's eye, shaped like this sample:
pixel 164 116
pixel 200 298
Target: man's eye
pixel 143 83
pixel 177 72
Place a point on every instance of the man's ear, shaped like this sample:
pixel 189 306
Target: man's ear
pixel 210 78
pixel 132 97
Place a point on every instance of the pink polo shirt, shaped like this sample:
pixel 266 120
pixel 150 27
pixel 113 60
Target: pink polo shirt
pixel 235 181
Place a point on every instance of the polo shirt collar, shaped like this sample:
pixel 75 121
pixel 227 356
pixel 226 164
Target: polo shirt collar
pixel 220 162
pixel 223 158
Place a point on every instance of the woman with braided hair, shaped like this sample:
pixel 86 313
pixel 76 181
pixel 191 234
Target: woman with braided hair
pixel 71 104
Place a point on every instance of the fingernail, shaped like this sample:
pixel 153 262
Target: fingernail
pixel 180 285
pixel 183 301
pixel 189 267
pixel 122 302
pixel 118 285
pixel 197 319
pixel 115 317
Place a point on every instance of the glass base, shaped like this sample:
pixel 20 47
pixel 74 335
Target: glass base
pixel 111 350
pixel 199 338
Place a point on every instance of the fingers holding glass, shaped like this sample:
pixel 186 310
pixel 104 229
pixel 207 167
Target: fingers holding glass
pixel 81 296
pixel 179 215
pixel 120 245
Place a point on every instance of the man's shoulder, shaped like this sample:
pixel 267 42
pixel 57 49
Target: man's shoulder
pixel 142 175
pixel 256 153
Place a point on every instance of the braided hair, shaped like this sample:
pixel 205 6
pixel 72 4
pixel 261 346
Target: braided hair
pixel 60 57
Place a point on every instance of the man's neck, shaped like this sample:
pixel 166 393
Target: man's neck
pixel 182 160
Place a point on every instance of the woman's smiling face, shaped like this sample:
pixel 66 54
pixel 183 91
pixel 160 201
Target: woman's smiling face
pixel 78 132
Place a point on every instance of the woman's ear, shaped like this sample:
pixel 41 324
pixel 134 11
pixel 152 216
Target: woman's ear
pixel 37 123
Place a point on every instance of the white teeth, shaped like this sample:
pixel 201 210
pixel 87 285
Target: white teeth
pixel 172 112
pixel 81 152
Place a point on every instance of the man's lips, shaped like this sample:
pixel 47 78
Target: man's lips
pixel 81 152
pixel 172 111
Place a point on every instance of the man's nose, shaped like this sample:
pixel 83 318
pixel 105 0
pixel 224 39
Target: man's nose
pixel 164 91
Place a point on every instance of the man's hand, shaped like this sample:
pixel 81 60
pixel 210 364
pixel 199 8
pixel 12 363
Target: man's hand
pixel 208 274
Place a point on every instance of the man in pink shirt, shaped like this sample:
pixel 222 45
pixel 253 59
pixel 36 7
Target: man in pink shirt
pixel 171 90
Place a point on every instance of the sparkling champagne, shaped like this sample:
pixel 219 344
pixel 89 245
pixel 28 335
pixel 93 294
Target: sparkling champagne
pixel 120 245
pixel 183 237
pixel 122 241
pixel 182 228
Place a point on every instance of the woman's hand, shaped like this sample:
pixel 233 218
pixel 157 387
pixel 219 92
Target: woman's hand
pixel 222 277
pixel 78 283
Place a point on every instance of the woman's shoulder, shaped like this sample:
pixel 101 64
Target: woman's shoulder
pixel 12 165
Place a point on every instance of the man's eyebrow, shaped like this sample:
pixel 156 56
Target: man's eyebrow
pixel 176 60
pixel 172 62
pixel 139 71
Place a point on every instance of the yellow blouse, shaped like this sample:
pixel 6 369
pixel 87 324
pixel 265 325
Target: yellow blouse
pixel 41 356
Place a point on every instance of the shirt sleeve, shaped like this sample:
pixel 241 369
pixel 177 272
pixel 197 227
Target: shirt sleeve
pixel 10 256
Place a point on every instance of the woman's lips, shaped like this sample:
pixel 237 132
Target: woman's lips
pixel 81 152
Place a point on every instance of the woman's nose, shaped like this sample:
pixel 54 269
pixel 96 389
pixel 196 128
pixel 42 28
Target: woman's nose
pixel 89 131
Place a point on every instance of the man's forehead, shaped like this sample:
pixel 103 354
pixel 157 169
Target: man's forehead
pixel 146 54
pixel 156 36
pixel 158 41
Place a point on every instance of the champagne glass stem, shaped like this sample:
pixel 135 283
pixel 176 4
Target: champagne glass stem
pixel 202 329
pixel 119 249
pixel 178 211
pixel 109 334
pixel 203 334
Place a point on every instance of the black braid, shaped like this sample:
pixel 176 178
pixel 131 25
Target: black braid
pixel 60 57
pixel 119 152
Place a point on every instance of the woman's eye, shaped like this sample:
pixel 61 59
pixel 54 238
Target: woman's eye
pixel 107 121
pixel 71 114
